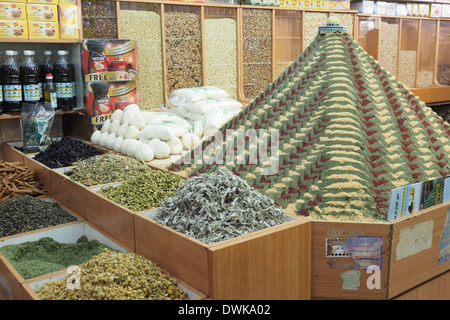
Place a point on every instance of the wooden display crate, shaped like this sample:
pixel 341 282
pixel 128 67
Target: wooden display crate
pixel 110 217
pixel 272 263
pixel 409 255
pixel 10 153
pixel 30 287
pixel 67 233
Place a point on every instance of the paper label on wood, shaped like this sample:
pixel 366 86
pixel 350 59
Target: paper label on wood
pixel 444 245
pixel 365 250
pixel 350 280
pixel 414 239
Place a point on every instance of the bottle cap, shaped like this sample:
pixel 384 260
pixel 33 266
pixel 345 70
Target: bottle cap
pixel 62 52
pixel 9 52
pixel 49 76
pixel 47 53
pixel 28 52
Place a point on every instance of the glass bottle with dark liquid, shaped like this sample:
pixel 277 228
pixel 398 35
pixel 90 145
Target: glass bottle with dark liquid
pixel 1 92
pixel 102 104
pixel 63 76
pixel 31 85
pixel 12 85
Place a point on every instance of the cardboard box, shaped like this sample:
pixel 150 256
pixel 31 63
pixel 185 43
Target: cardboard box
pixel 13 29
pixel 43 30
pixel 68 14
pixel 13 11
pixel 300 4
pixel 415 9
pixel 424 9
pixel 68 22
pixel 409 9
pixel 72 2
pixel 286 3
pixel 324 5
pixel 364 6
pixel 401 9
pixel 67 31
pixel 379 7
pixel 435 10
pixel 109 60
pixel 42 12
pixel 445 11
pixel 391 9
pixel 339 4
pixel 48 2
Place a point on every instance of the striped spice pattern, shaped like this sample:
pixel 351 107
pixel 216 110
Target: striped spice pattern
pixel 349 134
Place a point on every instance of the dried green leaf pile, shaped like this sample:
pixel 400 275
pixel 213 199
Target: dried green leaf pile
pixel 27 213
pixel 218 206
pixel 106 168
pixel 145 191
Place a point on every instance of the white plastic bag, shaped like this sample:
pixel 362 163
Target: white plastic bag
pixel 182 97
pixel 160 148
pixel 166 127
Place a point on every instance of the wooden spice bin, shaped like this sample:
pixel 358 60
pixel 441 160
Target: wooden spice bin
pixel 273 263
pixel 30 287
pixel 67 233
pixel 112 218
pixel 409 252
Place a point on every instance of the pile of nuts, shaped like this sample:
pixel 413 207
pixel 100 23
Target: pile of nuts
pixel 183 50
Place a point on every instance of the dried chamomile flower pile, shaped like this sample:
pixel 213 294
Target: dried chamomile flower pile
pixel 115 275
pixel 145 191
pixel 106 168
pixel 218 206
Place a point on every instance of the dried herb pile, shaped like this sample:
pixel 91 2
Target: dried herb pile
pixel 106 168
pixel 116 276
pixel 35 258
pixel 218 206
pixel 65 152
pixel 26 213
pixel 348 131
pixel 145 191
pixel 17 180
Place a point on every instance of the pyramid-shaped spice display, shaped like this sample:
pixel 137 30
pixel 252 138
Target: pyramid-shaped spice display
pixel 349 133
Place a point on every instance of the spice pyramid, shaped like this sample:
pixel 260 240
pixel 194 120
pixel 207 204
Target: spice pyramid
pixel 349 133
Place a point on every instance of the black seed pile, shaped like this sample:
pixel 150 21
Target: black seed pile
pixel 27 213
pixel 65 152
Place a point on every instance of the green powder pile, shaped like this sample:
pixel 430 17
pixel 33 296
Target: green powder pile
pixel 36 258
